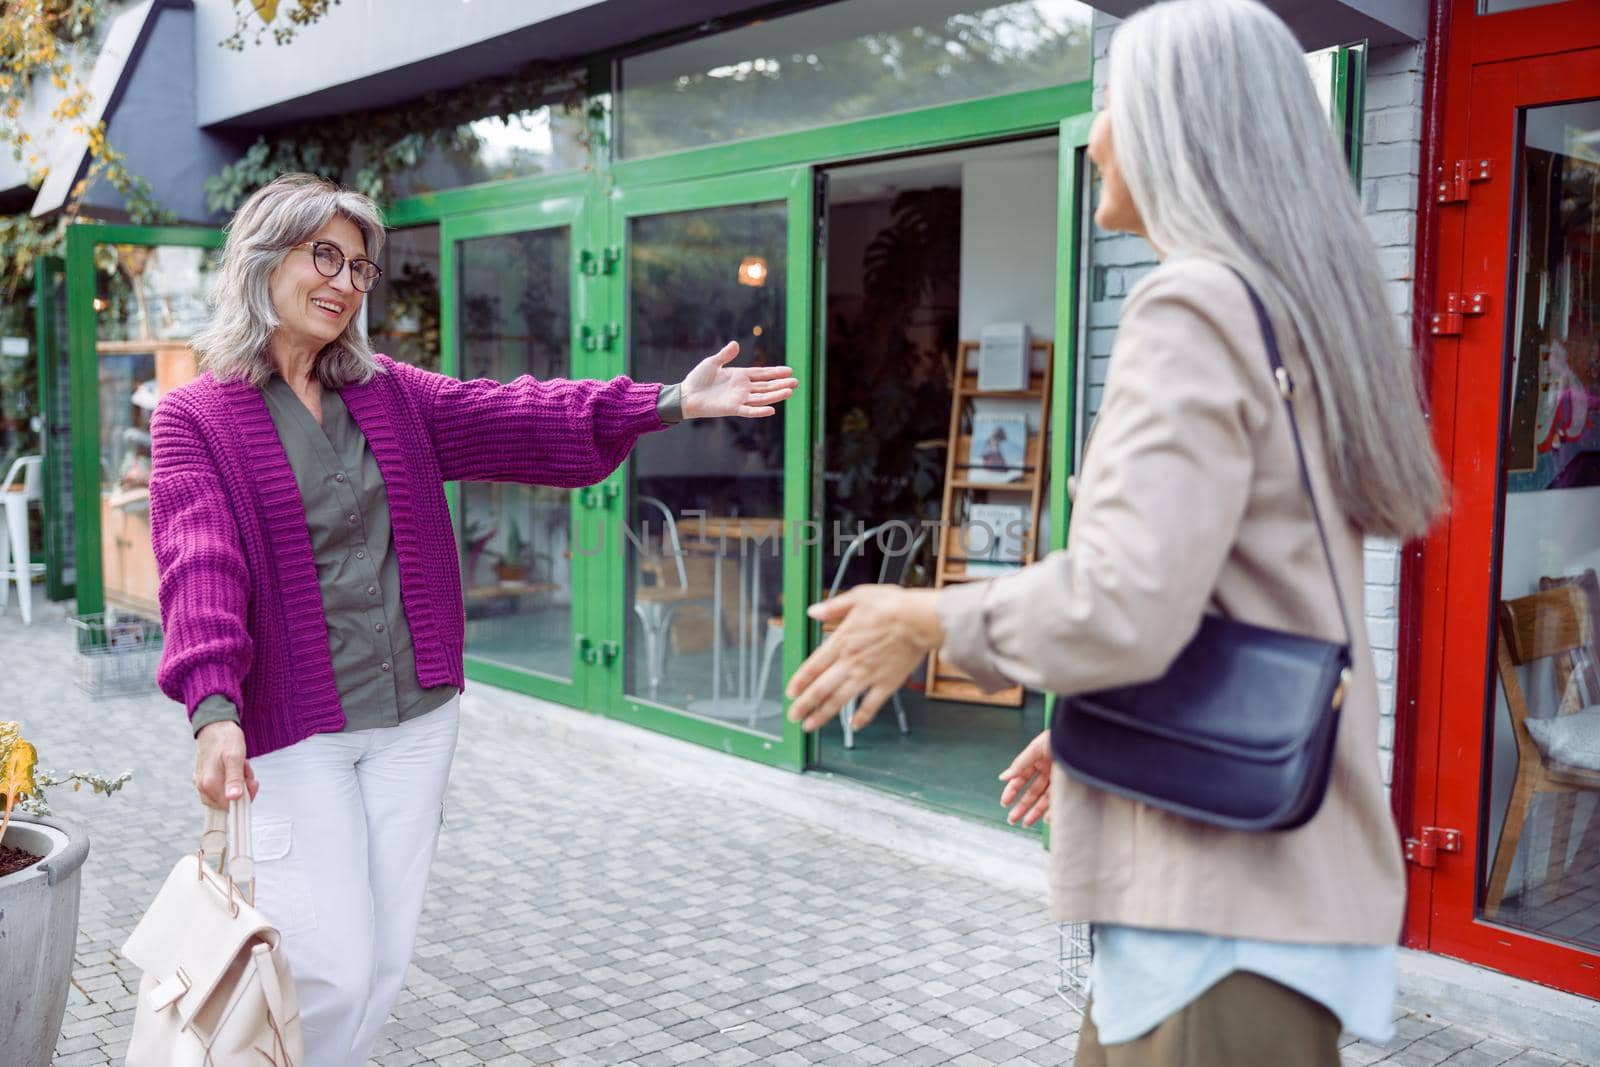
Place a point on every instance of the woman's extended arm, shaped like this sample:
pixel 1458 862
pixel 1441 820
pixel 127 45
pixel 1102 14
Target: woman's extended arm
pixel 204 584
pixel 567 433
pixel 1159 505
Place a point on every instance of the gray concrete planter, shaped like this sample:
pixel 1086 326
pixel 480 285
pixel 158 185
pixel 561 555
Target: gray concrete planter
pixel 38 933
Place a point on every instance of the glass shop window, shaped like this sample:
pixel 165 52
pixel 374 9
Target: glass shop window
pixel 847 61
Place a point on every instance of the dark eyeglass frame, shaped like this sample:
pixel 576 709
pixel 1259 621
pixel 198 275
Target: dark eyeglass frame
pixel 357 276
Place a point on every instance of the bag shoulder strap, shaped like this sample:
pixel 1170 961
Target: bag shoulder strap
pixel 1285 386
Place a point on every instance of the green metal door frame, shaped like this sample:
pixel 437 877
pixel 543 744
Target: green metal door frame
pixel 1072 214
pixel 563 201
pixel 792 186
pixel 84 382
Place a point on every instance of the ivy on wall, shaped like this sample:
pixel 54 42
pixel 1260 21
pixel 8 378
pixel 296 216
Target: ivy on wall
pixel 369 150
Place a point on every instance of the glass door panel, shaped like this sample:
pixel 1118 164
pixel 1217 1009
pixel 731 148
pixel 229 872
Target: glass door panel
pixel 1504 788
pixel 705 567
pixel 1542 825
pixel 713 598
pixel 511 292
pixel 135 296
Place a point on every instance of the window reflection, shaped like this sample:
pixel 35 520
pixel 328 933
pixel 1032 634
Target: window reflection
pixel 704 554
pixel 1543 833
pixel 847 61
pixel 148 301
pixel 514 318
pixel 403 311
pixel 546 139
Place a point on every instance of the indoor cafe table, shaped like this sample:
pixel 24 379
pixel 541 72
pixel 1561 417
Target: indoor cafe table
pixel 751 537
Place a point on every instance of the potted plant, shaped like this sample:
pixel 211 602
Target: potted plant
pixel 40 860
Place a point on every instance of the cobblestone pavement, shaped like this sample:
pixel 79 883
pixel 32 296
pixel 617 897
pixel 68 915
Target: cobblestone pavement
pixel 582 912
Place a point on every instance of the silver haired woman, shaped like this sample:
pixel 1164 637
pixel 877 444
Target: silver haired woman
pixel 310 585
pixel 1213 947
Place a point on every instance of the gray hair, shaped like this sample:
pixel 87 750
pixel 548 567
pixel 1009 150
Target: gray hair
pixel 1228 155
pixel 284 213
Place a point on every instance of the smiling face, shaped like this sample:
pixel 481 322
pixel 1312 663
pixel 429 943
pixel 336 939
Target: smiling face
pixel 314 310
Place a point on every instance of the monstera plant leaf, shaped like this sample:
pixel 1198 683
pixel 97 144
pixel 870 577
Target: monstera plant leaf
pixel 17 759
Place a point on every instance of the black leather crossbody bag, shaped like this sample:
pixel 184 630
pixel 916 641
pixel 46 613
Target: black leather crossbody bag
pixel 1240 730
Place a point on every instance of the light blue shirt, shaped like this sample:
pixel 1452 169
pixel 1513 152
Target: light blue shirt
pixel 1138 977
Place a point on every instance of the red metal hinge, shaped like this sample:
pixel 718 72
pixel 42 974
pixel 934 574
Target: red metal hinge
pixel 1457 306
pixel 1455 179
pixel 1424 851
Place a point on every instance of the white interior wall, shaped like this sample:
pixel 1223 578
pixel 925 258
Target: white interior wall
pixel 1008 244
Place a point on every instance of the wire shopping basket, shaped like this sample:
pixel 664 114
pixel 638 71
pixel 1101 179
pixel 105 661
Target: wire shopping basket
pixel 1072 982
pixel 117 654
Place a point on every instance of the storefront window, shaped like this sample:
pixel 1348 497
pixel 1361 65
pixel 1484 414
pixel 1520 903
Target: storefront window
pixel 148 302
pixel 19 381
pixel 1542 869
pixel 514 318
pixel 705 538
pixel 847 61
pixel 1494 7
pixel 403 311
pixel 546 139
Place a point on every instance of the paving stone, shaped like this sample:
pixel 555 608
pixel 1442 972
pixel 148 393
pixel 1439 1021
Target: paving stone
pixel 629 920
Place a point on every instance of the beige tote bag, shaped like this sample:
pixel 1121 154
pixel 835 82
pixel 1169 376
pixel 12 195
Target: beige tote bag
pixel 216 990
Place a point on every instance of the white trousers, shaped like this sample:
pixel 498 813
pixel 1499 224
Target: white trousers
pixel 345 827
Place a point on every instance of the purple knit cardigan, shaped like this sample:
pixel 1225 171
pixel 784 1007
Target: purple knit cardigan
pixel 240 601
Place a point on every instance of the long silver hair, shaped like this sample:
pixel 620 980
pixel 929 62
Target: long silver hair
pixel 284 213
pixel 1228 154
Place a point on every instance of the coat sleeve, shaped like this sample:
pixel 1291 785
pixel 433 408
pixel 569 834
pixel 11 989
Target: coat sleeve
pixel 204 582
pixel 1158 505
pixel 554 432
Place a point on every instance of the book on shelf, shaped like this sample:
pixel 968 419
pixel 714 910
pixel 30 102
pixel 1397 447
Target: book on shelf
pixel 999 450
pixel 1004 361
pixel 992 538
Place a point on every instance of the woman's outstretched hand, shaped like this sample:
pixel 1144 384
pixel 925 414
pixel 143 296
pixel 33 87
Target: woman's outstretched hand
pixel 1027 780
pixel 715 390
pixel 884 632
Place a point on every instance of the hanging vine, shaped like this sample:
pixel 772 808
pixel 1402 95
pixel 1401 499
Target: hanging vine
pixel 369 149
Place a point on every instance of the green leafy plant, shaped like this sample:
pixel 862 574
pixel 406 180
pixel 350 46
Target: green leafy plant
pixel 370 149
pixel 888 397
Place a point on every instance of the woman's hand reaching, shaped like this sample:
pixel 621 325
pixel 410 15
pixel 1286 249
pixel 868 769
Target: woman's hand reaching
pixel 715 390
pixel 1027 780
pixel 883 632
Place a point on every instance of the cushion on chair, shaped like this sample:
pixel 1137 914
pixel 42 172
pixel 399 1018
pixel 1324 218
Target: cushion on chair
pixel 1571 739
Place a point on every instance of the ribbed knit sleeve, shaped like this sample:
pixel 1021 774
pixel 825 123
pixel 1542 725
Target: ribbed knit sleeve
pixel 557 432
pixel 204 583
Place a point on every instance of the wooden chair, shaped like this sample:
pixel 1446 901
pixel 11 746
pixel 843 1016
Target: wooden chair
pixel 1551 624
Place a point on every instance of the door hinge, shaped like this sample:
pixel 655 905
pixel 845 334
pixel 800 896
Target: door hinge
pixel 1424 851
pixel 1455 179
pixel 1457 306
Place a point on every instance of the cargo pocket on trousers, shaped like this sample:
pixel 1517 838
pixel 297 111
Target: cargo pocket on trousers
pixel 283 892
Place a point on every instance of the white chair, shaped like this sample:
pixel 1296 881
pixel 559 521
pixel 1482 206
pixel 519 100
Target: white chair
pixel 896 563
pixel 655 603
pixel 15 552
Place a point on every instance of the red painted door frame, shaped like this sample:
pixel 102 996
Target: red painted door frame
pixel 1493 65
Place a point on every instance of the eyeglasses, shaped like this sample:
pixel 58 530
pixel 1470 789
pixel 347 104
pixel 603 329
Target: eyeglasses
pixel 364 274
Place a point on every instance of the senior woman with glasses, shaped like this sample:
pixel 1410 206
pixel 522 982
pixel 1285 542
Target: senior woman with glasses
pixel 310 585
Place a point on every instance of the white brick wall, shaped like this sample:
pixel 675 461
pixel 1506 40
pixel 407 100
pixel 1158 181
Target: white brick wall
pixel 1391 149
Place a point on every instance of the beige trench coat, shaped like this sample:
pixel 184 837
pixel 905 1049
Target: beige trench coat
pixel 1190 500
